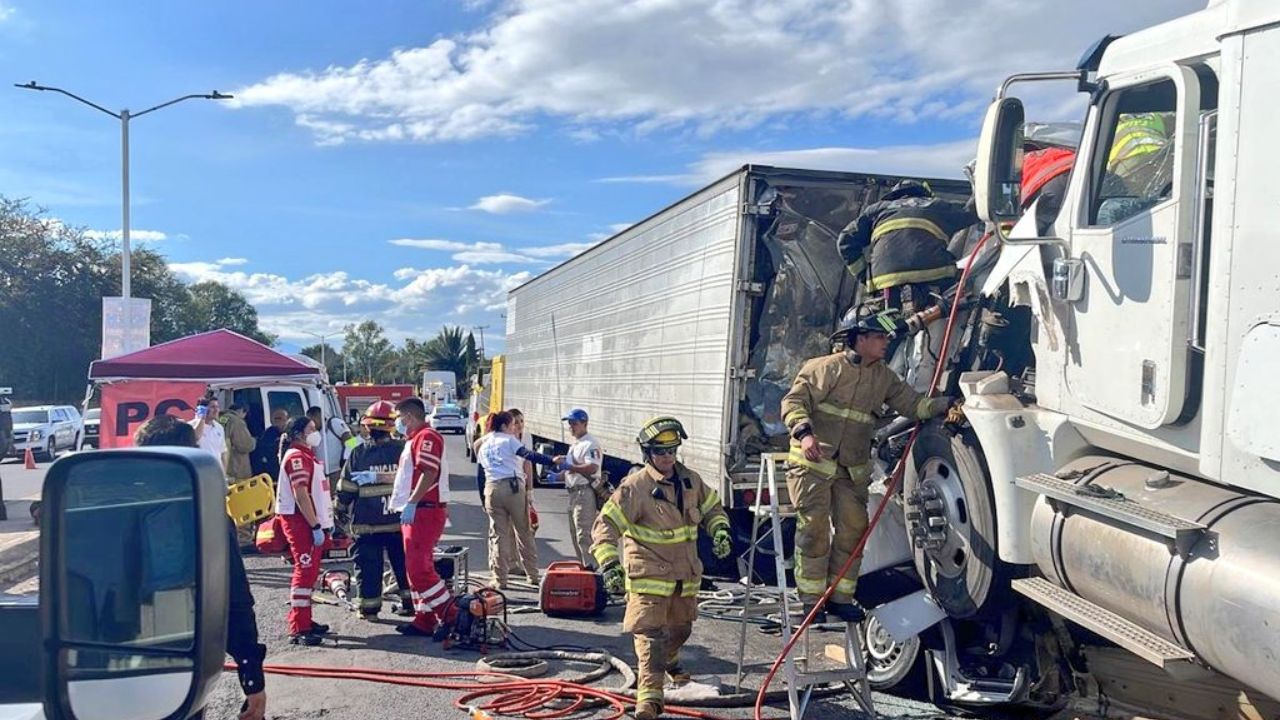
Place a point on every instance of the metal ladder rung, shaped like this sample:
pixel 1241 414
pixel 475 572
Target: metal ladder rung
pixel 799 684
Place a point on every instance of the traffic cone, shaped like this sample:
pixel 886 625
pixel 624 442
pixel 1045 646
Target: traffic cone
pixel 29 460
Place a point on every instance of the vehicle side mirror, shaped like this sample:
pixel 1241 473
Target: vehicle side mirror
pixel 133 583
pixel 997 179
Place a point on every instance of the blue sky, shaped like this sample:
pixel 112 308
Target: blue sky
pixel 410 162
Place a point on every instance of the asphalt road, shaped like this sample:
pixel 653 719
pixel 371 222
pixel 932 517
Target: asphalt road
pixel 18 483
pixel 710 654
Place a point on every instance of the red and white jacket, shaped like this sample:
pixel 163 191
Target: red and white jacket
pixel 423 453
pixel 301 468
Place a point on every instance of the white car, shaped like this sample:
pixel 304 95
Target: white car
pixel 447 418
pixel 46 430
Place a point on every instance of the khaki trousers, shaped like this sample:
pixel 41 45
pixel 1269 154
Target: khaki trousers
pixel 824 505
pixel 582 515
pixel 510 535
pixel 659 625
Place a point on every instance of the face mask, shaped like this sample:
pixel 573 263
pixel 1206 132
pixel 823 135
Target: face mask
pixel 400 427
pixel 314 439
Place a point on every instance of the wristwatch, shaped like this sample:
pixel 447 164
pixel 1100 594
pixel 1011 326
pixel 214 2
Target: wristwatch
pixel 316 526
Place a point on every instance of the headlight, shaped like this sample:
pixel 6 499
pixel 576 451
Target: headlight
pixel 35 435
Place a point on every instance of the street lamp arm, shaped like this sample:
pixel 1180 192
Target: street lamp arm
pixel 33 86
pixel 215 95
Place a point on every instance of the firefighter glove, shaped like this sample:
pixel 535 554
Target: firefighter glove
pixel 615 580
pixel 406 515
pixel 955 414
pixel 317 537
pixel 722 544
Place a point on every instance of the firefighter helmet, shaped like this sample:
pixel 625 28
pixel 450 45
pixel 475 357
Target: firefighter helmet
pixel 867 320
pixel 909 188
pixel 663 431
pixel 380 416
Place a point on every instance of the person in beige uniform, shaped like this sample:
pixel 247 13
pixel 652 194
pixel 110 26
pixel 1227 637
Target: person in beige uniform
pixel 581 471
pixel 829 412
pixel 651 522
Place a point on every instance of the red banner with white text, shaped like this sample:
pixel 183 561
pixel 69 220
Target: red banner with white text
pixel 126 406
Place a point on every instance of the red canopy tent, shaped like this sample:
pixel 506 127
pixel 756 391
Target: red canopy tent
pixel 214 357
pixel 169 378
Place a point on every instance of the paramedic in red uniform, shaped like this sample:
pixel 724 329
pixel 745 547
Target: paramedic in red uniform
pixel 420 495
pixel 305 506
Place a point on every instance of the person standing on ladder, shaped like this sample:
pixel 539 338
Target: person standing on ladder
pixel 364 498
pixel 829 414
pixel 655 514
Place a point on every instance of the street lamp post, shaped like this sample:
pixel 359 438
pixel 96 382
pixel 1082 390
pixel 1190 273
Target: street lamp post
pixel 124 116
pixel 322 348
pixel 481 328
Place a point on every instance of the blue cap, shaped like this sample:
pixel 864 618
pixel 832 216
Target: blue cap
pixel 576 415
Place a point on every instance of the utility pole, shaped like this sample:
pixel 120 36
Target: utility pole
pixel 481 328
pixel 323 345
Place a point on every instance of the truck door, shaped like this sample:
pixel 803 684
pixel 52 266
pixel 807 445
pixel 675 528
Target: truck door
pixel 1134 235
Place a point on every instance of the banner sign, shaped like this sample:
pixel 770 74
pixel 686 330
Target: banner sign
pixel 127 405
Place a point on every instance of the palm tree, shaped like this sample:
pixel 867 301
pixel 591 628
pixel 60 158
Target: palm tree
pixel 446 351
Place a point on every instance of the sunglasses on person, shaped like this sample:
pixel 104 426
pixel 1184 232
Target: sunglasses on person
pixel 660 452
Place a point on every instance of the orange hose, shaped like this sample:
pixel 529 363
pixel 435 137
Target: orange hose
pixel 889 490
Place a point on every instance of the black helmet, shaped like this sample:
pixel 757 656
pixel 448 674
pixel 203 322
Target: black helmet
pixel 867 319
pixel 909 188
pixel 663 431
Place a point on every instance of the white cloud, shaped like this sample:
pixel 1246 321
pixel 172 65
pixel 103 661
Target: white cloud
pixel 505 203
pixel 941 160
pixel 589 63
pixel 233 261
pixel 411 303
pixel 6 12
pixel 491 253
pixel 134 235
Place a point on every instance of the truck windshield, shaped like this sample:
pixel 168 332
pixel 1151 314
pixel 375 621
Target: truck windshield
pixel 30 417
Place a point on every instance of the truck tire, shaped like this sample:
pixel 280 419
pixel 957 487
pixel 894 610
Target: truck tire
pixel 947 477
pixel 50 451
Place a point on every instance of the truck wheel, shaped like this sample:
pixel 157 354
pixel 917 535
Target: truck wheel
pixel 50 451
pixel 952 521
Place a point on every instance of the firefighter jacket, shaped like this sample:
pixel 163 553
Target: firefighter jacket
pixel 656 519
pixel 365 508
pixel 903 241
pixel 835 397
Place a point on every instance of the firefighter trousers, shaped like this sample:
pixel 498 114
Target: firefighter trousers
pixel 659 626
pixel 582 515
pixel 368 552
pixel 306 570
pixel 831 516
pixel 430 595
pixel 507 505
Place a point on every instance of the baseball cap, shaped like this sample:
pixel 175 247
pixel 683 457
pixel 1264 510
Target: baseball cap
pixel 576 415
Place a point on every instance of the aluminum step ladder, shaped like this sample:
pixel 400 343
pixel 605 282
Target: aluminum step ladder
pixel 796 675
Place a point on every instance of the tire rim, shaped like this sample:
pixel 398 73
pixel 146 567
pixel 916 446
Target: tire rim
pixel 940 482
pixel 888 660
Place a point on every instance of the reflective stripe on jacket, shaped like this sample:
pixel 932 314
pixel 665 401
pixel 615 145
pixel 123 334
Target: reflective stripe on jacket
pixel 838 397
pixel 903 241
pixel 658 539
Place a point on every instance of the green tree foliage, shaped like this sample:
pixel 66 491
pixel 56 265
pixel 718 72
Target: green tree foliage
pixel 331 357
pixel 52 281
pixel 368 351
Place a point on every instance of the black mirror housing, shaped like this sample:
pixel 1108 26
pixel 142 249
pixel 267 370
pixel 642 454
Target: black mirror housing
pixel 998 175
pixel 133 578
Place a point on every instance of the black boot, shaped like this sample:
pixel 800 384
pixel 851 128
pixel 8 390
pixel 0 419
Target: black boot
pixel 850 612
pixel 819 618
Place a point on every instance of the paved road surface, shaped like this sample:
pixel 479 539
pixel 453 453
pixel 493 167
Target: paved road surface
pixel 356 643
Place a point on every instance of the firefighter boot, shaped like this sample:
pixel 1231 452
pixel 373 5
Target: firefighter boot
pixel 648 710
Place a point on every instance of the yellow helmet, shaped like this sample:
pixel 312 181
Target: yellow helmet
pixel 663 431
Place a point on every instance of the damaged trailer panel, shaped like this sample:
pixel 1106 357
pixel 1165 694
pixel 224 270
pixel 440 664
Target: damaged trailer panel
pixel 704 311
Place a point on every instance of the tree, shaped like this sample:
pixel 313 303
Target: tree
pixel 215 306
pixel 331 357
pixel 448 351
pixel 367 350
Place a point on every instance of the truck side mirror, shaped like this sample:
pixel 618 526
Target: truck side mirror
pixel 133 583
pixel 997 179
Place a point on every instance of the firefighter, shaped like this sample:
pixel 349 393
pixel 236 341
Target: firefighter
pixel 420 494
pixel 655 514
pixel 898 246
pixel 363 500
pixel 829 414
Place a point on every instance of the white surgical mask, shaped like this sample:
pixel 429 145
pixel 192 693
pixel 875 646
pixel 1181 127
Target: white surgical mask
pixel 400 427
pixel 314 438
